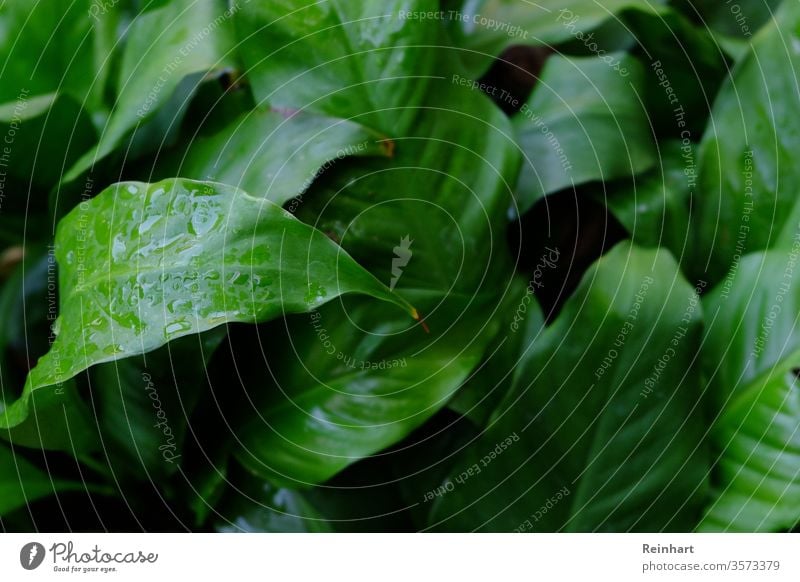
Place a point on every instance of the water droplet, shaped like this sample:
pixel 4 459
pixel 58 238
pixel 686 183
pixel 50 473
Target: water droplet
pixel 216 316
pixel 157 245
pixel 129 320
pixel 177 304
pixel 147 224
pixel 316 293
pixel 177 327
pixel 112 350
pixel 180 204
pixel 118 247
pixel 205 216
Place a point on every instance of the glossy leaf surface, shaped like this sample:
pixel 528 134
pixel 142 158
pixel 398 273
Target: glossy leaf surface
pixel 129 256
pixel 597 434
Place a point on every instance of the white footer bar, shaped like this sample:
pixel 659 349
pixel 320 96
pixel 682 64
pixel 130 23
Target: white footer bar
pixel 400 557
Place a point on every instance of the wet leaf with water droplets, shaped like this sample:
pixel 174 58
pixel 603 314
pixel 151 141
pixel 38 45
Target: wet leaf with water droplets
pixel 218 255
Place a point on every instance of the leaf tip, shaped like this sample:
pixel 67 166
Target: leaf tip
pixel 387 145
pixel 415 314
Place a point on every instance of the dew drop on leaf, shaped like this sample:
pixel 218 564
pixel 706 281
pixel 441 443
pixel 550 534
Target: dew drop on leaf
pixel 112 349
pixel 147 224
pixel 316 293
pixel 118 247
pixel 177 327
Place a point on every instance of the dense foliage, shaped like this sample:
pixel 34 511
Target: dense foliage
pixel 399 265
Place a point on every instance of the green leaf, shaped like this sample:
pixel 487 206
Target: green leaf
pixel 741 309
pixel 584 121
pixel 28 306
pixel 22 483
pixel 34 61
pixel 143 405
pixel 426 458
pixel 654 208
pixel 275 154
pixel 520 321
pixel 685 69
pixel 758 473
pixel 253 505
pixel 53 419
pixel 26 287
pixel 747 172
pixel 353 380
pixel 345 59
pixel 485 28
pixel 597 433
pixel 163 47
pixel 751 349
pixel 443 197
pixel 205 485
pixel 143 264
pixel 42 136
pixel 742 18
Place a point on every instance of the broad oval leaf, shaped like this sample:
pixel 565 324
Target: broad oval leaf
pixel 143 264
pixel 143 405
pixel 584 121
pixel 47 134
pixel 654 208
pixel 342 58
pixel 353 380
pixel 520 321
pixel 438 209
pixel 28 305
pixel 751 353
pixel 748 175
pixel 275 154
pixel 51 46
pixel 163 47
pixel 685 67
pixel 603 429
